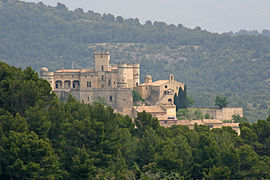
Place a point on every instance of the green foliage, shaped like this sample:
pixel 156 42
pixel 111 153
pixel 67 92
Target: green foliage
pixel 43 138
pixel 238 119
pixel 136 96
pixel 184 114
pixel 221 102
pixel 100 100
pixel 182 100
pixel 207 116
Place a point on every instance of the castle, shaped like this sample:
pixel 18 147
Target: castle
pixel 115 84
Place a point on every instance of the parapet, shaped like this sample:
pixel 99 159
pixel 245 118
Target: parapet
pixel 101 52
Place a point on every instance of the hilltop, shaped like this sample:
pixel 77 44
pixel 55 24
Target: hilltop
pixel 210 64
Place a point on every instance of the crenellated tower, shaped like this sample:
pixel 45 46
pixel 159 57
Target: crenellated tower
pixel 102 60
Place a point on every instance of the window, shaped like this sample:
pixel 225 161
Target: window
pixel 88 98
pixel 165 92
pixel 170 100
pixel 56 86
pixel 166 86
pixel 110 98
pixel 89 84
pixel 165 122
pixel 102 86
pixel 109 82
pixel 137 84
pixel 102 68
pixel 102 78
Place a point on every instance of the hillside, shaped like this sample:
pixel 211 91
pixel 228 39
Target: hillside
pixel 37 35
pixel 43 138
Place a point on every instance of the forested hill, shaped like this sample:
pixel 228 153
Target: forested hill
pixel 43 138
pixel 37 35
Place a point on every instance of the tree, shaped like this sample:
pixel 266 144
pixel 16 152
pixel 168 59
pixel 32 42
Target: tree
pixel 182 100
pixel 136 96
pixel 221 102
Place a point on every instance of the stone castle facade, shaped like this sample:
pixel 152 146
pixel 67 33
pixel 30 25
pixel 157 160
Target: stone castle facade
pixel 114 83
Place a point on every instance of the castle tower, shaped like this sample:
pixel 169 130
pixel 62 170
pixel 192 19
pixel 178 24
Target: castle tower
pixel 47 75
pixel 102 60
pixel 136 75
pixel 122 76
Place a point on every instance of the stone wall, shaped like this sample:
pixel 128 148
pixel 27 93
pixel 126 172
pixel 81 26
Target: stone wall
pixel 115 97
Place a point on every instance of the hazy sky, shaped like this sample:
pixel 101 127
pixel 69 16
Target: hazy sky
pixel 212 15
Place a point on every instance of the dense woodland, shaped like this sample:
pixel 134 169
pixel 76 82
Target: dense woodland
pixel 43 138
pixel 232 65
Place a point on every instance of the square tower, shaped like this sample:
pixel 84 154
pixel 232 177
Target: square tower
pixel 102 60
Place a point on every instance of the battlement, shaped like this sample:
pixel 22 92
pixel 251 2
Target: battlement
pixel 101 52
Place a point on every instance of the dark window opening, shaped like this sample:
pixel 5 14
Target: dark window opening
pixel 165 92
pixel 102 86
pixel 166 86
pixel 165 122
pixel 109 82
pixel 88 98
pixel 102 78
pixel 169 100
pixel 110 98
pixel 89 84
pixel 137 84
pixel 56 86
pixel 102 68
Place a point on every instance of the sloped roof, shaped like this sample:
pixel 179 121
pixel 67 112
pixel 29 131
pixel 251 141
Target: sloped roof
pixel 156 83
pixel 69 70
pixel 150 109
pixel 74 70
pixel 87 70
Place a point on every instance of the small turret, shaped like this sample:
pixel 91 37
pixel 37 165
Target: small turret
pixel 148 79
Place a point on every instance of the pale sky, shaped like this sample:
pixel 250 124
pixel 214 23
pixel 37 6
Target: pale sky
pixel 212 15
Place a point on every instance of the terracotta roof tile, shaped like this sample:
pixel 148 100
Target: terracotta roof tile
pixel 150 109
pixel 69 70
pixel 156 83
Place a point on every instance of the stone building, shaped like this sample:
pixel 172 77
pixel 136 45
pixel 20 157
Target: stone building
pixel 159 92
pixel 112 83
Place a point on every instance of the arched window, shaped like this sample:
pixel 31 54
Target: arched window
pixel 67 84
pixel 58 84
pixel 76 84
